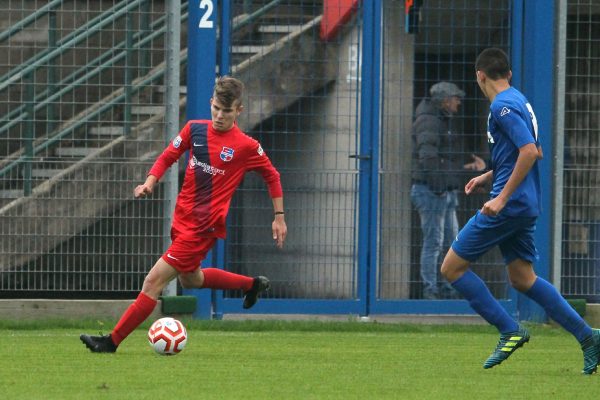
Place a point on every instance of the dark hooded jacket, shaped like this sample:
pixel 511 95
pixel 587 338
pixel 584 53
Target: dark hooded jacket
pixel 437 151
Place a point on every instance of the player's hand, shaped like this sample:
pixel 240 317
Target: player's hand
pixel 475 185
pixel 493 207
pixel 477 165
pixel 142 190
pixel 279 230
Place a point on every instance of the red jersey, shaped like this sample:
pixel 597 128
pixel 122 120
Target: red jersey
pixel 216 166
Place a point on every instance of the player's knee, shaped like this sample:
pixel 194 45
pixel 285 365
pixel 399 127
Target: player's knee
pixel 185 282
pixel 453 266
pixel 151 287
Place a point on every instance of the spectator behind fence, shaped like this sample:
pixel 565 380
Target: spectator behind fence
pixel 437 174
pixel 220 154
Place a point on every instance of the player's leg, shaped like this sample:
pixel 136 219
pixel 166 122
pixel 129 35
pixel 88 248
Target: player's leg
pixel 431 209
pixel 524 279
pixel 156 280
pixel 479 235
pixel 512 336
pixel 456 270
pixel 215 278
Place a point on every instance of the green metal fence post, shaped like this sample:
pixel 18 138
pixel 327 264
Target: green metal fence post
pixel 127 74
pixel 144 53
pixel 51 79
pixel 28 134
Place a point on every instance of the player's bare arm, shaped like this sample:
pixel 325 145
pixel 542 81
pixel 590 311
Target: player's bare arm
pixel 528 155
pixel 478 182
pixel 476 165
pixel 146 188
pixel 279 227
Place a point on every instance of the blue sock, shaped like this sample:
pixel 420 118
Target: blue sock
pixel 557 308
pixel 481 300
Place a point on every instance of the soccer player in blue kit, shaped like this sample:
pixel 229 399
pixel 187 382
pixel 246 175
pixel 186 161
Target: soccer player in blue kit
pixel 508 220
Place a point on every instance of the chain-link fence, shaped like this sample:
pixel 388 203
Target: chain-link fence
pixel 82 108
pixel 82 119
pixel 581 198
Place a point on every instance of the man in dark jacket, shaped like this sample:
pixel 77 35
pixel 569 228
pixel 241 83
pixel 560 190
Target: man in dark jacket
pixel 438 170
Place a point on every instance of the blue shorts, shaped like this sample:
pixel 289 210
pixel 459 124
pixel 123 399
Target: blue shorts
pixel 514 236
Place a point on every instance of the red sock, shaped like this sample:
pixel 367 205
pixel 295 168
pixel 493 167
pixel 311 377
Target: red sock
pixel 215 278
pixel 135 314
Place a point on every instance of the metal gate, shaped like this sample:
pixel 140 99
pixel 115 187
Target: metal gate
pixel 331 98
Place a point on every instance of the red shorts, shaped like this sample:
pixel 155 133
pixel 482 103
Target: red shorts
pixel 185 254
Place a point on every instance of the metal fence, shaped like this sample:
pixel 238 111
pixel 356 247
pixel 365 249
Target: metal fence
pixel 581 198
pixel 82 108
pixel 82 115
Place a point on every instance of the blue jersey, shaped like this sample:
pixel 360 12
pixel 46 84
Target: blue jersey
pixel 512 125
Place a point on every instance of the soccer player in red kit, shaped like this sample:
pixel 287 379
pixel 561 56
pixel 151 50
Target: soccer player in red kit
pixel 219 156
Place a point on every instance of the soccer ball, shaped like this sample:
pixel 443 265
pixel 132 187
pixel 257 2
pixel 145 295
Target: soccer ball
pixel 167 336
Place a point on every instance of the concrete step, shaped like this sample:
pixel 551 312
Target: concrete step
pixel 74 151
pixel 247 49
pixel 106 131
pixel 147 110
pixel 43 173
pixel 11 193
pixel 162 89
pixel 278 28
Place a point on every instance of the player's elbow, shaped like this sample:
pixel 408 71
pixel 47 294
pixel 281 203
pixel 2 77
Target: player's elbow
pixel 530 152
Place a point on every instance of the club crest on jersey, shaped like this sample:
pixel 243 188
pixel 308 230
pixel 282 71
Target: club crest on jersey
pixel 177 142
pixel 504 111
pixel 226 154
pixel 260 150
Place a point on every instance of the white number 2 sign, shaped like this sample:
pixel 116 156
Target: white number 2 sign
pixel 205 21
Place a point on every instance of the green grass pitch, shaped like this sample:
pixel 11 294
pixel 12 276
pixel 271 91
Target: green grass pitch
pixel 291 360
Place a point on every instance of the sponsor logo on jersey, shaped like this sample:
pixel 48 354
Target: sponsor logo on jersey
pixel 209 169
pixel 226 154
pixel 260 150
pixel 177 142
pixel 504 111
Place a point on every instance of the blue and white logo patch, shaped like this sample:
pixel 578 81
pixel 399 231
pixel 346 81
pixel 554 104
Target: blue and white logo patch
pixel 260 150
pixel 504 111
pixel 177 142
pixel 226 154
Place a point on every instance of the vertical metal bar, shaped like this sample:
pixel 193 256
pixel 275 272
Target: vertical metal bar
pixel 51 81
pixel 375 136
pixel 28 136
pixel 538 86
pixel 127 73
pixel 201 66
pixel 225 38
pixel 559 142
pixel 516 42
pixel 224 67
pixel 173 41
pixel 366 153
pixel 247 6
pixel 144 52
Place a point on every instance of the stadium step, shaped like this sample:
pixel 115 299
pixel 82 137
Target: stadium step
pixel 278 28
pixel 11 193
pixel 106 131
pixel 247 49
pixel 74 151
pixel 43 173
pixel 163 90
pixel 147 110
